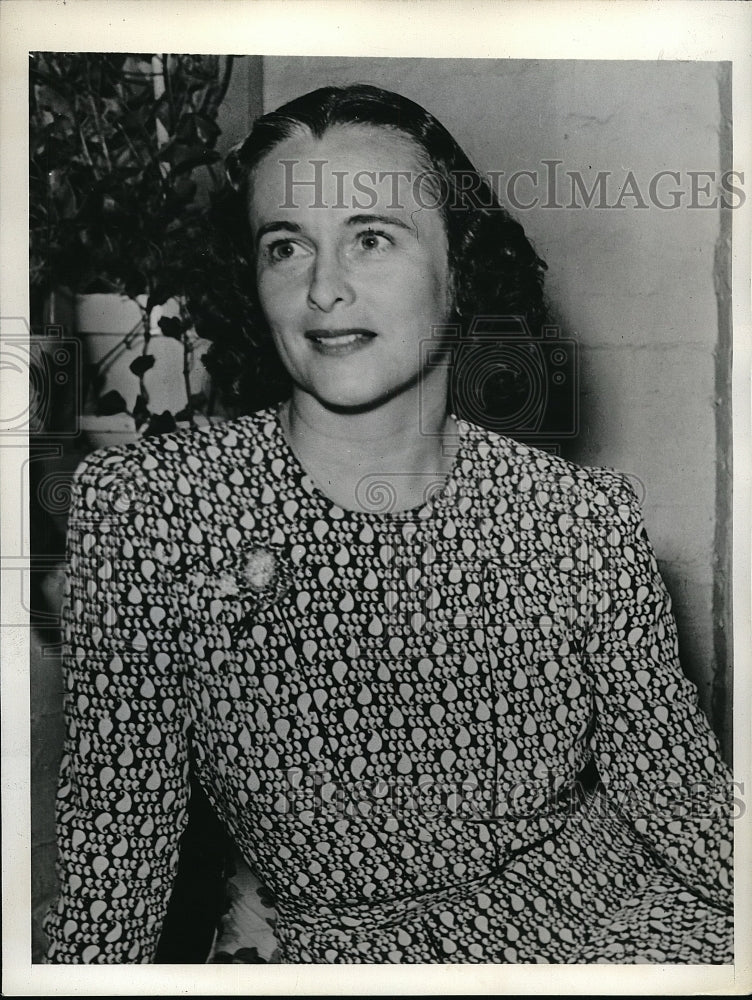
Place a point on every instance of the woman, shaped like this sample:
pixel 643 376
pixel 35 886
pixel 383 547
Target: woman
pixel 391 645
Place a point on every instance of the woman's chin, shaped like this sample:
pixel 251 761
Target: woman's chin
pixel 356 393
pixel 349 395
pixel 351 402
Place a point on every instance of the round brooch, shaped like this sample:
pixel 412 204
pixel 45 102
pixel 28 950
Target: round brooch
pixel 260 569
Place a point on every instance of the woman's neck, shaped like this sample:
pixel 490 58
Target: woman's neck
pixel 359 459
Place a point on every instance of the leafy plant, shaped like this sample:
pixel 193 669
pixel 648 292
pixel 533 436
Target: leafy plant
pixel 118 144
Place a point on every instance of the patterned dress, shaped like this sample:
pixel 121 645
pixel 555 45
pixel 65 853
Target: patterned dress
pixel 393 713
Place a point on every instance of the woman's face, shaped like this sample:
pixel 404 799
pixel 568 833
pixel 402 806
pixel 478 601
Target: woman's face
pixel 352 270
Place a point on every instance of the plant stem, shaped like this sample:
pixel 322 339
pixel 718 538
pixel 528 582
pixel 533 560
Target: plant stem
pixel 169 90
pixel 225 80
pixel 137 155
pixel 159 86
pixel 144 350
pixel 98 122
pixel 126 341
pixel 85 148
pixel 187 374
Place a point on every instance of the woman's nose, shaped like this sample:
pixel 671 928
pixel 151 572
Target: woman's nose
pixel 329 283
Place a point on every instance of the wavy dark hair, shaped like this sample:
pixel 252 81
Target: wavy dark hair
pixel 495 271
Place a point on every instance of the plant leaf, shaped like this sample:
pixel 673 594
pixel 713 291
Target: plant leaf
pixel 171 326
pixel 49 99
pixel 157 298
pixel 140 411
pixel 142 364
pixel 161 423
pixel 112 402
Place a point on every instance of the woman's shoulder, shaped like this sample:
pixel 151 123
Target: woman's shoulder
pixel 179 458
pixel 544 479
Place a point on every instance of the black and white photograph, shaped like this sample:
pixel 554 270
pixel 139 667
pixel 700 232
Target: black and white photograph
pixel 377 416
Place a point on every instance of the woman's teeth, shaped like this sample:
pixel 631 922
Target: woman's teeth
pixel 343 338
pixel 339 341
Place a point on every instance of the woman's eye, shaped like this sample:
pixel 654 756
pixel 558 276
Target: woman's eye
pixel 374 241
pixel 283 250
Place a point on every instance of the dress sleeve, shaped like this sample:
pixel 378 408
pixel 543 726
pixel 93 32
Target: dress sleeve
pixel 656 753
pixel 123 787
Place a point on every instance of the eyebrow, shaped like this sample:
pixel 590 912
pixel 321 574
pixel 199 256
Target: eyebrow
pixel 383 220
pixel 277 227
pixel 283 226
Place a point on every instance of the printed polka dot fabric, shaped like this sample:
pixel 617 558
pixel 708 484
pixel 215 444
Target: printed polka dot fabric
pixel 390 711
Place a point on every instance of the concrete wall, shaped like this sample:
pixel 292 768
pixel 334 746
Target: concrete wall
pixel 635 285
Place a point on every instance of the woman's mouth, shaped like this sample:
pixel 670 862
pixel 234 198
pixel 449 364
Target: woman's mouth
pixel 339 342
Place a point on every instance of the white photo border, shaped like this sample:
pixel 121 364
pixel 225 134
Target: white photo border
pixel 539 29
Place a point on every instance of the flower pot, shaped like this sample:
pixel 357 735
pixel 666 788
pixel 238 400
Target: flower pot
pixel 120 428
pixel 112 328
pixel 101 432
